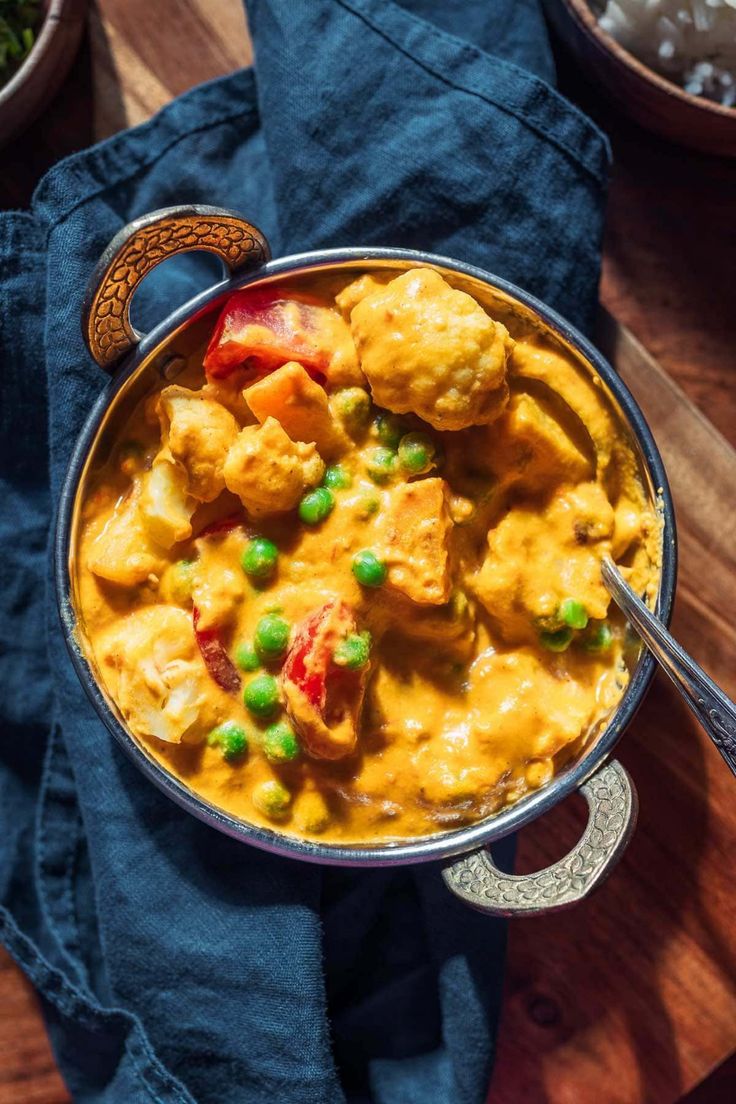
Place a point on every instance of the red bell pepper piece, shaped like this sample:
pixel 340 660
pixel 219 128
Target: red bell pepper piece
pixel 323 700
pixel 216 659
pixel 223 525
pixel 263 327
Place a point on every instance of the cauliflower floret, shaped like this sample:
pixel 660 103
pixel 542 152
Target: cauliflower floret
pixel 291 396
pixel 123 552
pixel 166 508
pixel 539 557
pixel 356 290
pixel 268 471
pixel 431 350
pixel 198 433
pixel 154 670
pixel 415 541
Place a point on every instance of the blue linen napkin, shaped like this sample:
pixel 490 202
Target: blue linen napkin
pixel 174 964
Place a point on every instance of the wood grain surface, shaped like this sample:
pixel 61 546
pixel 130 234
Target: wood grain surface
pixel 631 997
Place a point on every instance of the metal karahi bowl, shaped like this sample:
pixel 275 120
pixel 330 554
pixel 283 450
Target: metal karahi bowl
pixel 133 361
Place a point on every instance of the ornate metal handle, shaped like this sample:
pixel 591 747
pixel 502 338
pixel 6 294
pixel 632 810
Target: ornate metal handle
pixel 715 711
pixel 143 244
pixel 612 806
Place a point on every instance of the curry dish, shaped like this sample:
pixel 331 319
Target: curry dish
pixel 342 575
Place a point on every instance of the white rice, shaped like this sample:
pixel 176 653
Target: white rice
pixel 692 42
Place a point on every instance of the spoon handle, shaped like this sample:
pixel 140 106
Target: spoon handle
pixel 714 709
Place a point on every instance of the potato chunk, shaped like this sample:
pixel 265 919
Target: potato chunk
pixel 415 541
pixel 268 471
pixel 431 350
pixel 218 583
pixel 529 447
pixel 155 672
pixel 123 551
pixel 198 432
pixel 291 396
pixel 539 557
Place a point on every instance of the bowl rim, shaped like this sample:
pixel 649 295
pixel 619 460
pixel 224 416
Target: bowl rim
pixel 426 848
pixel 54 38
pixel 588 23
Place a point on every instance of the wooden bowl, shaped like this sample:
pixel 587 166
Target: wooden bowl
pixel 29 90
pixel 651 100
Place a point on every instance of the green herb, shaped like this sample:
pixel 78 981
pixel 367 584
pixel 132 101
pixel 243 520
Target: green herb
pixel 18 25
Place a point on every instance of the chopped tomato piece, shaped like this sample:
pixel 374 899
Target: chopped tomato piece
pixel 216 660
pixel 323 700
pixel 262 327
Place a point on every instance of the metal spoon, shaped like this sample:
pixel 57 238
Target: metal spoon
pixel 715 711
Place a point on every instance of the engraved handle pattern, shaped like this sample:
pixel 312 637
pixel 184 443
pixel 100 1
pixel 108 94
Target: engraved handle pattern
pixel 143 244
pixel 612 805
pixel 714 709
pixel 723 732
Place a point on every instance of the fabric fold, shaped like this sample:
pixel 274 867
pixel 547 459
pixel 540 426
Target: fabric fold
pixel 176 964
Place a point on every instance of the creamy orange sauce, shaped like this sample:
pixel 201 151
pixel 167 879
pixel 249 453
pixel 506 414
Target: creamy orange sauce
pixel 494 650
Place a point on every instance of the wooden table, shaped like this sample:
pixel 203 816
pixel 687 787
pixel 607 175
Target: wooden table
pixel 631 997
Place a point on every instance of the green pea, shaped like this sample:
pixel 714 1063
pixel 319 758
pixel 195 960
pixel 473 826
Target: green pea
pixel 316 506
pixel 353 652
pixel 181 581
pixel 232 740
pixel 130 456
pixel 271 636
pixel 261 696
pixel 381 464
pixel 368 569
pixel 558 641
pixel 598 638
pixel 259 558
pixel 366 506
pixel 389 430
pixel 280 744
pixel 416 453
pixel 272 799
pixel 353 406
pixel 246 657
pixel 573 614
pixel 337 478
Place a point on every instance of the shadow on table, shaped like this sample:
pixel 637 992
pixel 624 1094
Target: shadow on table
pixel 88 106
pixel 585 1018
pixel 64 127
